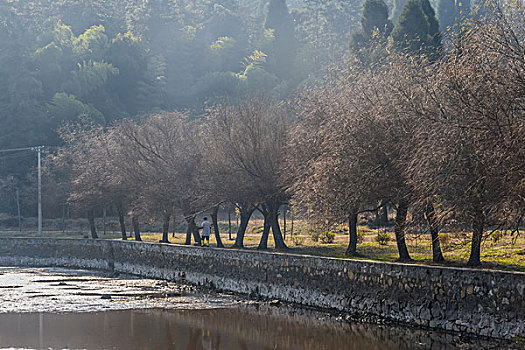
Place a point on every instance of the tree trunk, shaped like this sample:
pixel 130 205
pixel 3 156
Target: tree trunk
pixel 189 230
pixel 136 227
pixel 192 229
pixel 478 225
pixel 263 244
pixel 18 211
pixel 104 211
pixel 384 215
pixel 63 219
pixel 400 225
pixel 430 215
pixel 276 228
pixel 229 225
pixel 122 223
pixel 215 222
pixel 196 234
pixel 246 212
pixel 352 232
pixel 165 228
pixel 292 217
pixel 91 220
pixel 284 223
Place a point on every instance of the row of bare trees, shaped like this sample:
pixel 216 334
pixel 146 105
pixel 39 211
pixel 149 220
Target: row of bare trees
pixel 441 141
pixel 170 162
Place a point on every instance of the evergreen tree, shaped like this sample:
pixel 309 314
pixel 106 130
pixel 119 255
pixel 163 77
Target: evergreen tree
pixel 417 28
pixel 375 24
pixel 375 16
pixel 284 48
pixel 447 14
pixel 434 34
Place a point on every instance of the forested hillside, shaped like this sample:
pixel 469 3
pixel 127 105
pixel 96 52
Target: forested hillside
pixel 98 61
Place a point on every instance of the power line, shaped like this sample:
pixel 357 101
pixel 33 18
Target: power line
pixel 17 149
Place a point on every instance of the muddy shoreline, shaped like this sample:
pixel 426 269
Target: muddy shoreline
pixel 50 291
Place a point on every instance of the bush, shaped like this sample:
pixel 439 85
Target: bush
pixel 497 235
pixel 327 237
pixel 382 238
pixel 315 236
pixel 298 240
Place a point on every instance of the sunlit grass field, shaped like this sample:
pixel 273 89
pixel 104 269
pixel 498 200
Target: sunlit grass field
pixel 499 251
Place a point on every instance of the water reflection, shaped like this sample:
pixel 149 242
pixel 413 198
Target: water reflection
pixel 245 329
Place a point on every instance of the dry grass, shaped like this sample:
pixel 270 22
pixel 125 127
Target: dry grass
pixel 508 253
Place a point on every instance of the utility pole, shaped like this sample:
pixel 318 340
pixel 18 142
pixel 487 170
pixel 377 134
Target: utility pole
pixel 38 149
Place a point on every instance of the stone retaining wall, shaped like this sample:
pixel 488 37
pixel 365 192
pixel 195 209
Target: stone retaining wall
pixel 487 303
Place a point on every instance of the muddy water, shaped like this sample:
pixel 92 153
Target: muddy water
pixel 68 309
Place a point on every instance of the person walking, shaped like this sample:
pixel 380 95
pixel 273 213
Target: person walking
pixel 206 231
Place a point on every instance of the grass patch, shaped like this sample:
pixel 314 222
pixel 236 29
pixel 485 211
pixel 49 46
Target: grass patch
pixel 505 253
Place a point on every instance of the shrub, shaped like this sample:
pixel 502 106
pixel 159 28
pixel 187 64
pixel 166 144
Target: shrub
pixel 298 240
pixel 327 237
pixel 382 238
pixel 497 235
pixel 315 236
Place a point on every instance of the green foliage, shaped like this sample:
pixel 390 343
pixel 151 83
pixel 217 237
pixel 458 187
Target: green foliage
pixel 382 238
pixel 64 108
pixel 298 240
pixel 417 28
pixel 224 54
pixel 214 87
pixel 88 77
pixel 152 86
pixel 284 45
pixel 327 237
pixel 258 79
pixel 113 59
pixel 375 28
pixel 433 34
pixel 497 236
pixel 92 44
pixel 375 18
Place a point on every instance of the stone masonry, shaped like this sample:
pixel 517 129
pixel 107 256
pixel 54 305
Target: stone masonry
pixel 480 302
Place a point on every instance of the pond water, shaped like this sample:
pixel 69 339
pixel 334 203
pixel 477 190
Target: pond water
pixel 70 309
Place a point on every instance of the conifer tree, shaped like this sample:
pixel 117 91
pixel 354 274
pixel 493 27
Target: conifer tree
pixel 375 24
pixel 375 17
pixel 417 28
pixel 284 48
pixel 434 34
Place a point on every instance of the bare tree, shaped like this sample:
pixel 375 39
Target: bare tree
pixel 163 163
pixel 351 147
pixel 245 148
pixel 470 152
